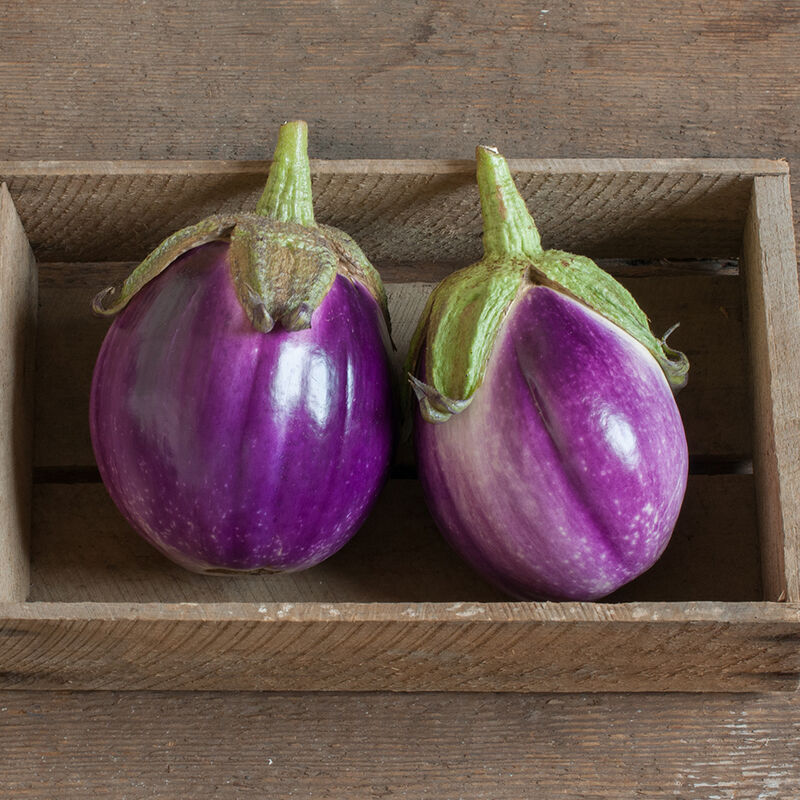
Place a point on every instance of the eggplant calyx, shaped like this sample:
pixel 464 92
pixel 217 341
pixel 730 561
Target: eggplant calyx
pixel 450 349
pixel 675 363
pixel 115 298
pixel 282 263
pixel 452 344
pixel 353 264
pixel 581 279
pixel 434 406
pixel 510 232
pixel 288 198
pixel 282 271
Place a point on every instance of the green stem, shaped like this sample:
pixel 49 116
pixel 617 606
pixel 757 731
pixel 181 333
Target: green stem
pixel 287 195
pixel 508 228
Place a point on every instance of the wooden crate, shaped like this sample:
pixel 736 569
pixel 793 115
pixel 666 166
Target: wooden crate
pixel 86 604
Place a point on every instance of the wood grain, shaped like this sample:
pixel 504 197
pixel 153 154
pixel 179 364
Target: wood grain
pixel 398 212
pixel 93 80
pixel 392 80
pixel 18 289
pixel 306 628
pixel 715 405
pixel 773 313
pixel 518 647
pixel 487 747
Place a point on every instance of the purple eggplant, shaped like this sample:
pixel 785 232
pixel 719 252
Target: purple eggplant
pixel 241 407
pixel 549 445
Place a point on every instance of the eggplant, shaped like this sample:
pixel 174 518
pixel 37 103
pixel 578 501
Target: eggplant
pixel 241 408
pixel 549 445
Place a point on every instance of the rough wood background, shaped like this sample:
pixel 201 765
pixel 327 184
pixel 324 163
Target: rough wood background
pixel 388 79
pixel 483 747
pixel 573 647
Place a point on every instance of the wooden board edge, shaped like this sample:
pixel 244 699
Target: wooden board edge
pixel 398 655
pixel 769 267
pixel 745 167
pixel 512 612
pixel 18 304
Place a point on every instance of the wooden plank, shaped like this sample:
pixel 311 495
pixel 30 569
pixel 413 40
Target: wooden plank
pixel 18 289
pixel 227 746
pixel 770 272
pixel 670 80
pixel 400 213
pixel 566 647
pixel 403 166
pixel 84 551
pixel 715 405
pixel 425 80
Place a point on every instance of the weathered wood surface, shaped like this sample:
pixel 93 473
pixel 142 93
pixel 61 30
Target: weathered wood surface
pixel 18 290
pixel 684 655
pixel 517 647
pixel 378 80
pixel 103 602
pixel 487 747
pixel 203 80
pixel 773 303
pixel 715 405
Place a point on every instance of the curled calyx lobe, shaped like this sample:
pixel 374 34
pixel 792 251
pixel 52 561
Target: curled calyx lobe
pixel 450 349
pixel 283 263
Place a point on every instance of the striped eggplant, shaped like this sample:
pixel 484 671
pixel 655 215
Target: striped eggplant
pixel 241 407
pixel 549 444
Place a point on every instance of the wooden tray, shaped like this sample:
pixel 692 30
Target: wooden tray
pixel 84 603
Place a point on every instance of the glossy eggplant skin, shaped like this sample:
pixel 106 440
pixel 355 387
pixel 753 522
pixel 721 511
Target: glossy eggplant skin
pixel 231 449
pixel 564 476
